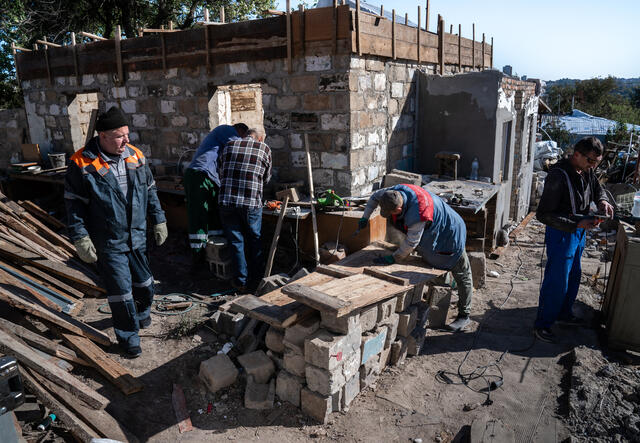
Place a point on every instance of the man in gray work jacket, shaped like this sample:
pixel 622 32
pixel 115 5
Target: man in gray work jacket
pixel 109 193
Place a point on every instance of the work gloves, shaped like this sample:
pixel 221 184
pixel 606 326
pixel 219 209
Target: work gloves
pixel 86 250
pixel 362 223
pixel 384 260
pixel 160 233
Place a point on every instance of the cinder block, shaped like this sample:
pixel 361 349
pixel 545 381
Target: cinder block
pixel 373 343
pixel 398 351
pixel 351 364
pixel 294 362
pixel 278 359
pixel 228 323
pixel 392 329
pixel 218 372
pixel 317 406
pixel 478 262
pixel 340 325
pixel 404 300
pixel 439 301
pixel 369 371
pixel 288 387
pixel 273 340
pixel 418 293
pixel 407 321
pixel 386 308
pixel 272 283
pixel 258 365
pixel 295 335
pixel 259 395
pixel 368 317
pixel 326 350
pixel 350 390
pixel 298 275
pixel 323 381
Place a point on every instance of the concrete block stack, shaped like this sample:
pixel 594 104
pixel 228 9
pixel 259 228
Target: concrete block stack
pixel 219 257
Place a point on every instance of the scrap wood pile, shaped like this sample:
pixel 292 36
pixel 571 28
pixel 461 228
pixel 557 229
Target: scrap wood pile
pixel 328 334
pixel 44 284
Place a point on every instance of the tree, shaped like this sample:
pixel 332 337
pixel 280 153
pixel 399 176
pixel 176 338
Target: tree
pixel 25 21
pixel 556 130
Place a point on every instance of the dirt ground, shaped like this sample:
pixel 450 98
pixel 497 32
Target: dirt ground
pixel 409 402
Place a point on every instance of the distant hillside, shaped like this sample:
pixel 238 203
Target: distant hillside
pixel 625 86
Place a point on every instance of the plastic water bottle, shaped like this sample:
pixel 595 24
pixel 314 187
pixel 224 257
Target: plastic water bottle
pixel 474 169
pixel 636 205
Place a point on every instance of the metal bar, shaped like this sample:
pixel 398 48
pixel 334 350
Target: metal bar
pixel 441 43
pixel 473 47
pixel 118 36
pixel 491 52
pixel 302 24
pixel 393 34
pixel 483 51
pixel 359 50
pixel 418 35
pixel 459 47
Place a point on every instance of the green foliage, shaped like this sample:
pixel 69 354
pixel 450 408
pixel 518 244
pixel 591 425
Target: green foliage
pixel 557 131
pixel 25 21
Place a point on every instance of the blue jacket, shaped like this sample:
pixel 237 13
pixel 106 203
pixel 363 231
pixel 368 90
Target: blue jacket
pixel 206 157
pixel 97 207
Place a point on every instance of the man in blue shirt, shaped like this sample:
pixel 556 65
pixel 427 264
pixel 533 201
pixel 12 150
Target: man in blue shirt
pixel 201 185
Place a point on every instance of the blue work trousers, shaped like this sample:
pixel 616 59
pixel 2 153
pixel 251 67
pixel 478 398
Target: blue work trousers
pixel 242 227
pixel 561 275
pixel 129 285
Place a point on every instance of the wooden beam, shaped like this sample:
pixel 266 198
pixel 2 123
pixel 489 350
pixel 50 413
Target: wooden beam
pixel 42 343
pixel 99 420
pixel 377 273
pixel 15 63
pixel 118 51
pixel 473 46
pixel 276 237
pixel 393 34
pixel 523 224
pixel 419 31
pixel 334 35
pixel 78 428
pixel 262 310
pixel 91 36
pixel 491 66
pixel 75 57
pixel 274 12
pixel 47 43
pixel 112 370
pixel 314 298
pixel 302 26
pixel 59 319
pixel 30 358
pixel 92 126
pixel 406 19
pixel 8 280
pixel 41 214
pixel 46 60
pixel 441 43
pixel 164 52
pixel 483 51
pixel 451 28
pixel 222 18
pixel 358 43
pixel 289 37
pixel 459 47
pixel 381 11
pixel 333 271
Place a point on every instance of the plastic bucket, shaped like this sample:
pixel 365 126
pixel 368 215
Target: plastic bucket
pixel 57 160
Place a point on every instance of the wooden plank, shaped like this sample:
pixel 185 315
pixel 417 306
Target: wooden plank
pixel 41 214
pixel 9 281
pixel 59 319
pixel 289 39
pixel 21 256
pixel 315 299
pixel 358 14
pixel 441 44
pixel 393 34
pixel 334 272
pixel 276 237
pixel 497 252
pixel 45 248
pixel 118 37
pixel 42 343
pixel 52 283
pixel 418 35
pixel 523 224
pixel 378 273
pixel 99 420
pixel 180 409
pixel 112 370
pixel 91 128
pixel 262 310
pixel 52 237
pixel 31 152
pixel 30 358
pixel 78 428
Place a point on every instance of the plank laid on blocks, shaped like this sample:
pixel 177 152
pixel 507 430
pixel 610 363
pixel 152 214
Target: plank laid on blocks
pixel 99 420
pixel 30 358
pixel 262 310
pixel 42 343
pixel 78 428
pixel 59 319
pixel 112 370
pixel 379 273
pixel 316 299
pixel 334 272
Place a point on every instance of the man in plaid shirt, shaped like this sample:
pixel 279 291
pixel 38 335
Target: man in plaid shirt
pixel 246 167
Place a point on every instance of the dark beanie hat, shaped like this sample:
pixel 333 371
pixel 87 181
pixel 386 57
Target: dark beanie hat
pixel 112 119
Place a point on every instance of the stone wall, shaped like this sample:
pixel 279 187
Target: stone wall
pixel 13 123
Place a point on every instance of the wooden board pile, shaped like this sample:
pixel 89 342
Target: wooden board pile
pixel 44 284
pixel 330 333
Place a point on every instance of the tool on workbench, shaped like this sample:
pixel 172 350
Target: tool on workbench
pixel 329 200
pixel 273 205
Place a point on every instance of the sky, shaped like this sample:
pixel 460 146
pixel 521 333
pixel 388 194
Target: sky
pixel 543 39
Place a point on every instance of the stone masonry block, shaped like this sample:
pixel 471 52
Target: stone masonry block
pixel 404 300
pixel 386 308
pixel 340 325
pixel 218 372
pixel 288 387
pixel 373 343
pixel 317 63
pixel 258 365
pixel 327 350
pixel 368 317
pixel 392 329
pixel 374 65
pixel 478 263
pixel 407 321
pixel 317 406
pixel 350 390
pixel 397 90
pixel 273 339
pixel 259 395
pixel 323 381
pixel 294 362
pixel 398 351
pixel 379 82
pixel 439 301
pixel 351 364
pixel 295 335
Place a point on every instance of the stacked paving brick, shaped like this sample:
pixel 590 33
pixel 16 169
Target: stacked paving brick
pixel 323 362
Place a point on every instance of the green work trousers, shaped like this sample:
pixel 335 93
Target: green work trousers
pixel 202 208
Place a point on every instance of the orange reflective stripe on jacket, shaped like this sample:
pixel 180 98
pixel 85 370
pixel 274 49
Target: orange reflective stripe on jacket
pixel 136 159
pixel 87 165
